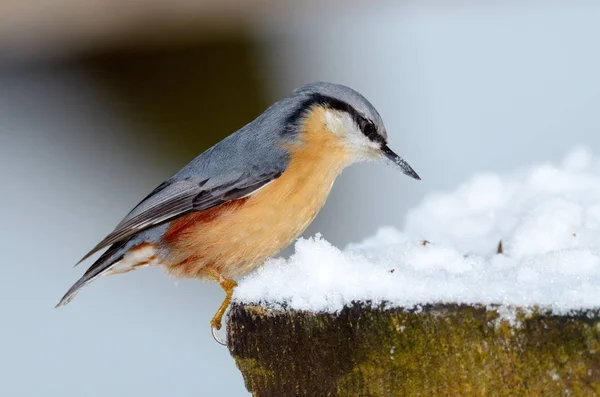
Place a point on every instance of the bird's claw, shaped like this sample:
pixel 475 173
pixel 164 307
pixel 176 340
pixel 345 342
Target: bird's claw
pixel 215 333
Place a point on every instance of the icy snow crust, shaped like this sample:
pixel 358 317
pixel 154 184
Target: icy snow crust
pixel 548 218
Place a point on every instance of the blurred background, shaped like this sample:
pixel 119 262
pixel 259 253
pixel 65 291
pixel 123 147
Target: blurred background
pixel 101 101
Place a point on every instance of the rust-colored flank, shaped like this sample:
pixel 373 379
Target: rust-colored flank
pixel 183 224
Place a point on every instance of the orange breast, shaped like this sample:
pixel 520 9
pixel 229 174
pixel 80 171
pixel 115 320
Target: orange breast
pixel 236 237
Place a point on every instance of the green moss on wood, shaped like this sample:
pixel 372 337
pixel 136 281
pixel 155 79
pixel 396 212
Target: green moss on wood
pixel 437 350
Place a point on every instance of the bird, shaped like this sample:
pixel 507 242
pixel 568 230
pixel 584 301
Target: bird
pixel 250 195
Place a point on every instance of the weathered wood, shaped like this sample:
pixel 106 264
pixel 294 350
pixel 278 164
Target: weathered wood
pixel 441 350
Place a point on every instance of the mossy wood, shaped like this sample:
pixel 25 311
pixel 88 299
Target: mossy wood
pixel 440 350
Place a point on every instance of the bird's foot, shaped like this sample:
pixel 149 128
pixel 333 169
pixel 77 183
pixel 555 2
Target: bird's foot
pixel 216 322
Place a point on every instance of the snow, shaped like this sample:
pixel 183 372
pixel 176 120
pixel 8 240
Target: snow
pixel 547 216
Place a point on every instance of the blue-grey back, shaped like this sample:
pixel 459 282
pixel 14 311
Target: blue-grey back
pixel 258 145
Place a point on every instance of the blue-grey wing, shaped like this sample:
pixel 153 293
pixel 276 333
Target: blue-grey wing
pixel 178 197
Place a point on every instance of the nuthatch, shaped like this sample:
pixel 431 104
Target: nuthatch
pixel 250 195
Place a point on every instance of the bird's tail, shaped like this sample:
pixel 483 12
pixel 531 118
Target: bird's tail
pixel 84 280
pixel 119 258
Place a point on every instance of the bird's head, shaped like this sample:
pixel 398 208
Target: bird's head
pixel 347 118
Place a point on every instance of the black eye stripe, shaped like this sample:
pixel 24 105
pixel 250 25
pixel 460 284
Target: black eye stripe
pixel 367 127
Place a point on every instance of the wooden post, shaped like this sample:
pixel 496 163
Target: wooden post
pixel 437 350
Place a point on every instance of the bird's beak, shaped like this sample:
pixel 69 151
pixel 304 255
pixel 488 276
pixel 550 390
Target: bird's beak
pixel 400 162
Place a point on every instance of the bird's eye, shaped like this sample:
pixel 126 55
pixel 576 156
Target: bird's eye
pixel 369 128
